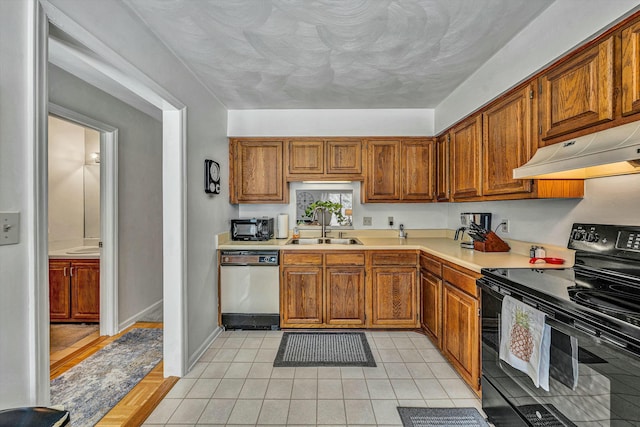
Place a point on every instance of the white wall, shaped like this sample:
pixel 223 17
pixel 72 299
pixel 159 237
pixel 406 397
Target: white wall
pixel 559 28
pixel 66 184
pixel 383 122
pixel 91 185
pixel 16 374
pixel 139 187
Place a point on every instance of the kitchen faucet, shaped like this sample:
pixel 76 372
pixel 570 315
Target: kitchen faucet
pixel 323 222
pixel 402 233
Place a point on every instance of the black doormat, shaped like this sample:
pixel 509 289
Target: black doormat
pixel 299 349
pixel 544 416
pixel 441 417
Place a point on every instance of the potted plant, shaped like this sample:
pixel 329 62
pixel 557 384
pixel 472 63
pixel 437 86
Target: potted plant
pixel 329 207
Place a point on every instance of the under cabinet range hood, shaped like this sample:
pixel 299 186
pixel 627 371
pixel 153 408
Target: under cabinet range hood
pixel 614 151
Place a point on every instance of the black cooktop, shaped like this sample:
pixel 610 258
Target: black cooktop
pixel 603 287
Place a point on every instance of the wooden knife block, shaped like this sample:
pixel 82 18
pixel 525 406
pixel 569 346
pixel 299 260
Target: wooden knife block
pixel 493 243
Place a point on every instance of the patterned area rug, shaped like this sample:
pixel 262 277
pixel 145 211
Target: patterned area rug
pixel 94 386
pixel 324 349
pixel 441 417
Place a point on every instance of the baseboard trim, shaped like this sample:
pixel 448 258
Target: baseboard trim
pixel 140 315
pixel 205 345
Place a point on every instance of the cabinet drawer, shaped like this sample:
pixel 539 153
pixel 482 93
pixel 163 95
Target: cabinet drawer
pixel 301 258
pixel 431 265
pixel 345 258
pixel 394 258
pixel 460 280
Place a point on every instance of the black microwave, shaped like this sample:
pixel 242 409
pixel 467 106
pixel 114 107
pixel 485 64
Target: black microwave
pixel 252 229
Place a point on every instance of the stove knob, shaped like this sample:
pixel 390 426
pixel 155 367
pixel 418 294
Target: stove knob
pixel 592 237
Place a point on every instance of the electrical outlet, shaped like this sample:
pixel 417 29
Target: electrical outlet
pixel 366 220
pixel 390 221
pixel 505 226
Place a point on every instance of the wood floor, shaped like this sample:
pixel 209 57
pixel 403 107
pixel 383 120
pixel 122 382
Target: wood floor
pixel 138 404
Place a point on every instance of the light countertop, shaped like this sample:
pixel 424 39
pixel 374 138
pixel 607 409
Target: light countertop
pixel 80 252
pixel 437 244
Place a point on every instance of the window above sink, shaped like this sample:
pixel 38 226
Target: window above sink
pixel 305 197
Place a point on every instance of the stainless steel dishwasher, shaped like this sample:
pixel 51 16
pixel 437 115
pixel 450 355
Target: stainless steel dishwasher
pixel 250 289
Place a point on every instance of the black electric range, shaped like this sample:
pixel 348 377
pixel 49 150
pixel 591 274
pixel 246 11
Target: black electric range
pixel 593 310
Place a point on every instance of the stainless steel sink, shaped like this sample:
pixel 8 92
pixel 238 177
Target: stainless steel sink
pixel 327 241
pixel 349 241
pixel 315 241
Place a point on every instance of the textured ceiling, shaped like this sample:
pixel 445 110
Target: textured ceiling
pixel 281 54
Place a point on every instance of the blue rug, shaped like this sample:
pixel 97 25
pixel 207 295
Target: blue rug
pixel 94 386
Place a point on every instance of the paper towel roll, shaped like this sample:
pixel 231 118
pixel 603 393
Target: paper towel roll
pixel 283 226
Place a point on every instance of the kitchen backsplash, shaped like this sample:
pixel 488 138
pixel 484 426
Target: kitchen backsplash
pixel 612 200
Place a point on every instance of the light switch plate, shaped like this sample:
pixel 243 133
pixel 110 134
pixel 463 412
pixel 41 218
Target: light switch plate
pixel 9 228
pixel 366 220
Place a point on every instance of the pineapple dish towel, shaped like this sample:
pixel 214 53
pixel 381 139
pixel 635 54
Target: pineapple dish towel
pixel 525 340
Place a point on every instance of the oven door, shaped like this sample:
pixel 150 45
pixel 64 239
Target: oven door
pixel 591 382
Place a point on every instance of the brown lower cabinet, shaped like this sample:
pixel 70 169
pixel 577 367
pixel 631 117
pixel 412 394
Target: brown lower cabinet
pixel 450 314
pixel 349 289
pixel 322 289
pixel 74 290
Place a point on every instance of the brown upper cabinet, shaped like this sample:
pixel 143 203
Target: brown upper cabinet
pixel 400 170
pixel 578 93
pixel 466 160
pixel 507 143
pixel 324 159
pixel 256 172
pixel 631 69
pixel 442 168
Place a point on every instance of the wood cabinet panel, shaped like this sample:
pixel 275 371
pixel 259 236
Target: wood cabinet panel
pixel 463 281
pixel 301 296
pixel 460 333
pixel 431 307
pixel 345 296
pixel 59 292
pixel 466 160
pixel 507 143
pixel 431 265
pixel 257 172
pixel 344 258
pixel 343 157
pixel 305 157
pixel 74 290
pixel 579 92
pixel 394 258
pixel 383 171
pixel 443 178
pixel 631 69
pixel 301 258
pixel 418 170
pixel 85 290
pixel 394 293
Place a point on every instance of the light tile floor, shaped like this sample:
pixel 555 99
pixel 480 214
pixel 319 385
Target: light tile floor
pixel 235 383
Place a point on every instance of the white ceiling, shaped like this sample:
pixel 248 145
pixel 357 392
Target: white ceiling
pixel 286 54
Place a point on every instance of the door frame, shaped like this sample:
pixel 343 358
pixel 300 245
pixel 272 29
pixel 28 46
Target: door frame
pixel 113 65
pixel 108 214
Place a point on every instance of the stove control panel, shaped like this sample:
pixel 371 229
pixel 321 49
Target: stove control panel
pixel 613 240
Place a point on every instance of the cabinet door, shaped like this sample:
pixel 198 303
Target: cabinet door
pixel 301 296
pixel 394 297
pixel 418 170
pixel 631 69
pixel 442 168
pixel 507 143
pixel 383 171
pixel 343 157
pixel 431 295
pixel 59 296
pixel 460 333
pixel 258 172
pixel 85 290
pixel 306 157
pixel 579 92
pixel 345 296
pixel 466 160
